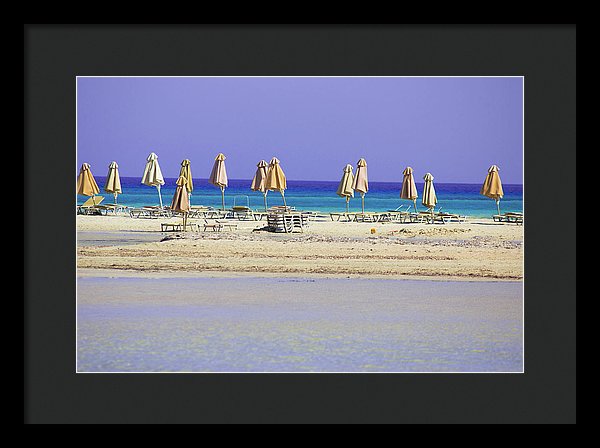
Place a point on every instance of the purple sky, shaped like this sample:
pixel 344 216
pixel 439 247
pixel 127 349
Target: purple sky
pixel 454 128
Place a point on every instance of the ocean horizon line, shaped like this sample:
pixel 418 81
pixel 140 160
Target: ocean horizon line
pixel 327 181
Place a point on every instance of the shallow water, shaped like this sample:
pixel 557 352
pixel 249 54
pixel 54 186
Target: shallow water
pixel 321 196
pixel 298 325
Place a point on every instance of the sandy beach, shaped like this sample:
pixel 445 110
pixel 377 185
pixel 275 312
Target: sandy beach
pixel 478 249
pixel 337 298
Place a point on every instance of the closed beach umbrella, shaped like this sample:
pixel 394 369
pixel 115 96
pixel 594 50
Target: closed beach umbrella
pixel 429 197
pixel 492 186
pixel 276 178
pixel 345 189
pixel 260 179
pixel 218 176
pixel 186 171
pixel 153 175
pixel 181 201
pixel 86 184
pixel 361 181
pixel 409 189
pixel 113 181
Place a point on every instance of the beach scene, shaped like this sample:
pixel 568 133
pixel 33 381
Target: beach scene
pixel 299 224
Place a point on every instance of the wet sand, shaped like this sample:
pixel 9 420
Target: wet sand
pixel 257 324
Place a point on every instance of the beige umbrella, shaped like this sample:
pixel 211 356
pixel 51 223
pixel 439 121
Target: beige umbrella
pixel 113 181
pixel 259 180
pixel 361 181
pixel 409 189
pixel 492 186
pixel 186 171
pixel 429 197
pixel 275 180
pixel 86 184
pixel 218 176
pixel 345 189
pixel 181 201
pixel 153 175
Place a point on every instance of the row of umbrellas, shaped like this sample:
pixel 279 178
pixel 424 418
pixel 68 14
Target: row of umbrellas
pixel 270 177
pixel 350 183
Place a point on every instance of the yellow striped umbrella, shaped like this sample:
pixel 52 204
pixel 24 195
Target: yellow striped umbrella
pixel 429 196
pixel 218 176
pixel 492 186
pixel 361 180
pixel 181 201
pixel 345 189
pixel 86 184
pixel 153 175
pixel 259 180
pixel 276 180
pixel 186 171
pixel 113 180
pixel 409 189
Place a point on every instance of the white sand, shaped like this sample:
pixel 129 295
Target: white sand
pixel 476 250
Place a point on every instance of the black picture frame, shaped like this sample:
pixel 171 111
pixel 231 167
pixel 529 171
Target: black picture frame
pixel 54 54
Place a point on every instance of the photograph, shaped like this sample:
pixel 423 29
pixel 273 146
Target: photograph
pixel 299 224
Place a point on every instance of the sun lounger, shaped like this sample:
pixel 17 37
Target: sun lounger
pixel 178 226
pixel 218 226
pixel 150 212
pixel 510 217
pixel 288 222
pixel 344 215
pixel 242 212
pixel 90 206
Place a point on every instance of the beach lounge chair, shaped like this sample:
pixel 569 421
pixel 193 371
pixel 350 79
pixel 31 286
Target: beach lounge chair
pixel 218 226
pixel 242 212
pixel 90 206
pixel 509 217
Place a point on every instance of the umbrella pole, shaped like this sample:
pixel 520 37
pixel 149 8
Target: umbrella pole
pixel 115 195
pixel 498 205
pixel 415 202
pixel 362 195
pixel 265 197
pixel 283 196
pixel 190 199
pixel 347 201
pixel 159 196
pixel 223 197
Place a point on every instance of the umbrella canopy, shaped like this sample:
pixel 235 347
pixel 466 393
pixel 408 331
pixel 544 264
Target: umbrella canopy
pixel 153 175
pixel 409 189
pixel 361 181
pixel 113 180
pixel 259 180
pixel 429 197
pixel 180 202
pixel 260 177
pixel 345 189
pixel 218 176
pixel 492 186
pixel 86 184
pixel 186 171
pixel 276 180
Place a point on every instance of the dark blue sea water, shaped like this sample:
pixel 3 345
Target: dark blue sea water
pixel 320 196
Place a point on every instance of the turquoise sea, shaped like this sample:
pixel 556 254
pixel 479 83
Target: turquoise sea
pixel 320 196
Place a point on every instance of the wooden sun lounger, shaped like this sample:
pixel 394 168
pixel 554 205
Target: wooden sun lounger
pixel 178 226
pixel 90 206
pixel 287 222
pixel 218 226
pixel 516 218
pixel 150 212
